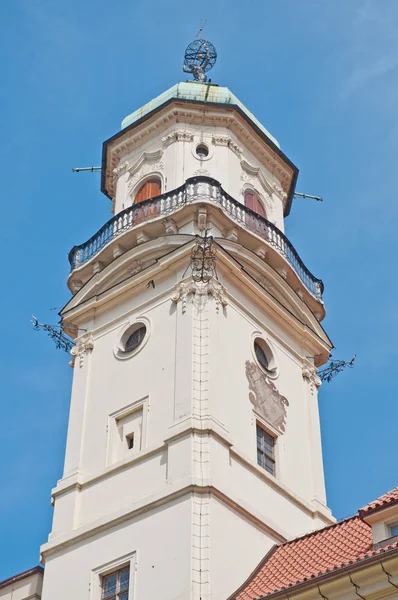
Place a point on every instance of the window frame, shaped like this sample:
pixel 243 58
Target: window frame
pixel 98 573
pixel 258 197
pixel 112 426
pixel 125 332
pixel 271 457
pixel 118 592
pixel 272 372
pixel 390 527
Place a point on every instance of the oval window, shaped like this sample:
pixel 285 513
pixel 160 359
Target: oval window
pixel 202 151
pixel 265 357
pixel 135 339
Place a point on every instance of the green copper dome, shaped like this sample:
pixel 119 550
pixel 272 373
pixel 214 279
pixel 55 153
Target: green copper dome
pixel 199 92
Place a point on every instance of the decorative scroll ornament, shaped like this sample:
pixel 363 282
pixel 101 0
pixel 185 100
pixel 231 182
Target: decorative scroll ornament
pixel 201 292
pixel 178 136
pixel 203 259
pixel 225 140
pixel 334 367
pixel 121 169
pixel 279 191
pixel 202 173
pixel 84 345
pixel 265 397
pixel 309 373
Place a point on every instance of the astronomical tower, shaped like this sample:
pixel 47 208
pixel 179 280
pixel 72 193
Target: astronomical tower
pixel 193 441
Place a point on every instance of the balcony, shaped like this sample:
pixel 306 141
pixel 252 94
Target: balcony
pixel 196 189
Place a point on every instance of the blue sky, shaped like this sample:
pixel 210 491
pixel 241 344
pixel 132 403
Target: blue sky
pixel 322 76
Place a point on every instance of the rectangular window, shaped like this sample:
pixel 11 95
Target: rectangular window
pixel 115 586
pixel 265 450
pixel 393 528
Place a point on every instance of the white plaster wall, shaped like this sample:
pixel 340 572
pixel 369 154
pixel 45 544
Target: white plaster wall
pixel 231 339
pixel 231 561
pixel 161 540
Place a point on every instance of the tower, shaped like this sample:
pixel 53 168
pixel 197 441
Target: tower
pixel 194 427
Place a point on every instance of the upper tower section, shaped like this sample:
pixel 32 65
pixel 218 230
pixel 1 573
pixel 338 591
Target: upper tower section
pixel 196 129
pixel 191 159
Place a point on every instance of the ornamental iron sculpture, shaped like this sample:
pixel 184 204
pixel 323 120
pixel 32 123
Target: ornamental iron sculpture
pixel 203 259
pixel 62 341
pixel 200 56
pixel 334 368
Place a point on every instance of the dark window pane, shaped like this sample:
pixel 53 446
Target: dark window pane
pixel 123 596
pixel 124 579
pixel 135 339
pixel 260 354
pixel 109 585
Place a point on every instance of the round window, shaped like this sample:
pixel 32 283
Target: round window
pixel 202 151
pixel 261 356
pixel 135 339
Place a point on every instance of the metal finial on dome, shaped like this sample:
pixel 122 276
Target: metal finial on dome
pixel 200 56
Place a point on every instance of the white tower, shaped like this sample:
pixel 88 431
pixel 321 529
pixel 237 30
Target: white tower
pixel 193 443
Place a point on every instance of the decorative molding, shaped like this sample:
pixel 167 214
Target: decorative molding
pixel 202 217
pixel 279 191
pixel 118 250
pixel 202 173
pixel 121 169
pixel 225 140
pixel 97 266
pixel 178 136
pixel 265 397
pixel 170 226
pixel 76 285
pixel 201 291
pixel 282 272
pixel 232 234
pixel 142 237
pixel 148 163
pixel 310 374
pixel 84 346
pixel 273 163
pixel 254 176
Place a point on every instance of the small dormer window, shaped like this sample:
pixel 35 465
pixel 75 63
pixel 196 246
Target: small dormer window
pixel 150 189
pixel 252 201
pixel 393 529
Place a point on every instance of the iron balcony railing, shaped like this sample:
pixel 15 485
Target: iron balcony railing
pixel 196 189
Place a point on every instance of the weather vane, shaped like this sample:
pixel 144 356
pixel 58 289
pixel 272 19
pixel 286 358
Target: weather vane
pixel 200 57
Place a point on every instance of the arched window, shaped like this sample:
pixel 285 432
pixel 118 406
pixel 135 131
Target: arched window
pixel 253 202
pixel 150 189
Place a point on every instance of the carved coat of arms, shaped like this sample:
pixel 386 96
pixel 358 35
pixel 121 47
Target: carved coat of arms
pixel 265 397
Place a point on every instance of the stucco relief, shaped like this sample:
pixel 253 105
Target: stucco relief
pixel 201 292
pixel 146 169
pixel 79 351
pixel 310 375
pixel 265 397
pixel 224 140
pixel 255 177
pixel 178 136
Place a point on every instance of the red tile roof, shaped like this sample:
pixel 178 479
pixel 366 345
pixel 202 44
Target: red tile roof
pixel 311 556
pixel 383 502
